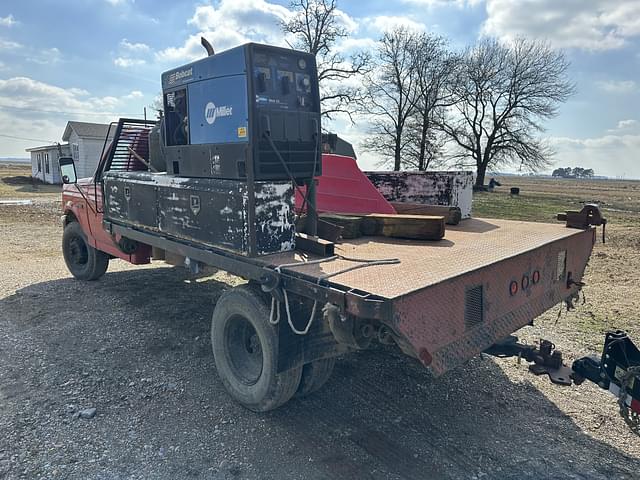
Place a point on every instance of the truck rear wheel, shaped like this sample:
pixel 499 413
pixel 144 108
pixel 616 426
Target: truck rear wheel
pixel 245 348
pixel 83 261
pixel 315 375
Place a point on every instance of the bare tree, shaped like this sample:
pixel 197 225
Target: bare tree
pixel 391 95
pixel 316 27
pixel 502 94
pixel 434 68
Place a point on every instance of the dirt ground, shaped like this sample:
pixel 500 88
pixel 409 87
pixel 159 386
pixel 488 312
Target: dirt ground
pixel 135 346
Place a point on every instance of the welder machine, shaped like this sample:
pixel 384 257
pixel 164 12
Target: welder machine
pixel 241 129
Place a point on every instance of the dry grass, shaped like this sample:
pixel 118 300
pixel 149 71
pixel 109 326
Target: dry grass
pixel 16 183
pixel 613 275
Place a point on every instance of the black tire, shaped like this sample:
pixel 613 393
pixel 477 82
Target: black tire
pixel 245 348
pixel 83 261
pixel 315 375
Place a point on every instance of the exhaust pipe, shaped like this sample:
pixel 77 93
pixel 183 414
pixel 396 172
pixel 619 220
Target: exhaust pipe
pixel 207 46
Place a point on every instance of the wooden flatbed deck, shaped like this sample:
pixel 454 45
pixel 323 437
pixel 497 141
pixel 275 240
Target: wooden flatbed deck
pixel 471 245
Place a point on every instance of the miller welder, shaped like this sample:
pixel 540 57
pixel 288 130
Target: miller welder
pixel 240 129
pixel 231 115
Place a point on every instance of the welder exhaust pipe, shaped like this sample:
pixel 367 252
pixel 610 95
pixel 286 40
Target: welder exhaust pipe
pixel 207 46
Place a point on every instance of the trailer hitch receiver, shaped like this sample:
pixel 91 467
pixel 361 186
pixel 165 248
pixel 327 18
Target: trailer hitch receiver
pixel 616 370
pixel 545 358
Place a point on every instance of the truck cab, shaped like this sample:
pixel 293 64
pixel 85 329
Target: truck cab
pixel 87 246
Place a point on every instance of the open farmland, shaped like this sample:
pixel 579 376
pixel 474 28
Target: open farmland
pixel 135 345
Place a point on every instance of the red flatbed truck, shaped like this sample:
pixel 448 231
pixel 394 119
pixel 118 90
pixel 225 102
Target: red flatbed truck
pixel 441 302
pixel 215 184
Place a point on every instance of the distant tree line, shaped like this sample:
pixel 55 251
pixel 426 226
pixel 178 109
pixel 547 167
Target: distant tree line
pixel 426 104
pixel 575 172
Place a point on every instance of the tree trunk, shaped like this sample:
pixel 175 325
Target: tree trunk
pixel 423 144
pixel 397 151
pixel 481 174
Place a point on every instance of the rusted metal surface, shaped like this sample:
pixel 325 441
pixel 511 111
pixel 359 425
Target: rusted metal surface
pixel 432 188
pixel 429 288
pixel 434 319
pixel 214 212
pixel 472 245
pixel 548 360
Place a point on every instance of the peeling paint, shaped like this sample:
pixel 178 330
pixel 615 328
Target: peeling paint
pixel 453 188
pixel 161 202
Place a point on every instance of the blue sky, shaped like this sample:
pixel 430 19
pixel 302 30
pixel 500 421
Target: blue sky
pixel 95 60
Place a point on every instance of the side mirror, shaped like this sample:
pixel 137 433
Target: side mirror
pixel 67 170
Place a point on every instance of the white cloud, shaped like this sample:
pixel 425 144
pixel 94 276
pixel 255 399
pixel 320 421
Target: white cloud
pixel 612 154
pixel 44 56
pixel 617 86
pixel 47 56
pixel 27 94
pixel 382 23
pixel 9 45
pixel 126 62
pixel 229 24
pixel 584 24
pixel 350 45
pixel 8 21
pixel 134 47
pixel 134 94
pixel 132 54
pixel 625 124
pixel 42 109
pixel 444 3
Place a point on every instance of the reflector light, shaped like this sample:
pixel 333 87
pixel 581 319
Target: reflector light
pixel 513 288
pixel 525 282
pixel 535 277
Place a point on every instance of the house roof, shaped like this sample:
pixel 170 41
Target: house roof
pixel 86 130
pixel 48 147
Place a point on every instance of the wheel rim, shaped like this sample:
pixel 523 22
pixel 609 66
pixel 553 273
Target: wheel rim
pixel 78 253
pixel 244 349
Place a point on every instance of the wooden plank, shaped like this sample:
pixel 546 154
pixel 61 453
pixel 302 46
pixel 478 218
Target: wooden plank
pixel 350 224
pixel 326 230
pixel 418 227
pixel 452 215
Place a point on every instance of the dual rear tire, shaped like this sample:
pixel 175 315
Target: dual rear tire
pixel 245 349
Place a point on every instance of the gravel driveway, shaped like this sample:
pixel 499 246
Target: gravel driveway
pixel 135 347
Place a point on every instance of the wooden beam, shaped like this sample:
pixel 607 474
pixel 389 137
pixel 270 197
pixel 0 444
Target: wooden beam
pixel 452 215
pixel 418 227
pixel 349 224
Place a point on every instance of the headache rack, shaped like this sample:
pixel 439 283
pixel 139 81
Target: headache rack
pixel 126 145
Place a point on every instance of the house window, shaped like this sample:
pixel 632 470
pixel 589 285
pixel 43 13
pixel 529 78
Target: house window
pixel 46 163
pixel 39 160
pixel 75 152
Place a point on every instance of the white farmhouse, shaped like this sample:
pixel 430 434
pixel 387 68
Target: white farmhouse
pixel 86 141
pixel 44 162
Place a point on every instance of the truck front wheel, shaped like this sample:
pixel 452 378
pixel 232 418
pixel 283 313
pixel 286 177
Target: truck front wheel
pixel 245 348
pixel 83 261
